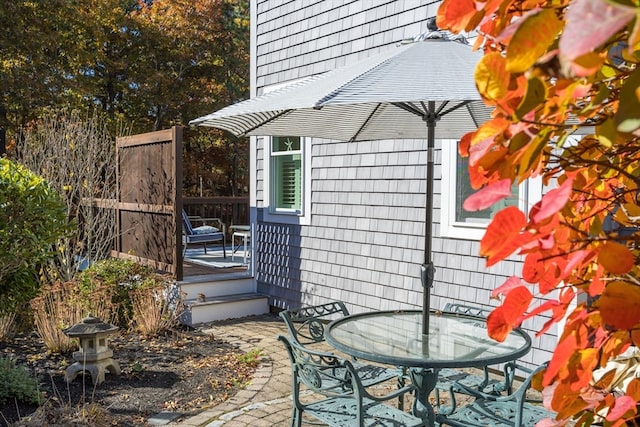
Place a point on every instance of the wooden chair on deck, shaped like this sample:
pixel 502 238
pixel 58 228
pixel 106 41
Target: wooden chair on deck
pixel 203 234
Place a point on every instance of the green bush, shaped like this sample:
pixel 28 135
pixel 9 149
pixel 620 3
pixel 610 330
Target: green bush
pixel 33 219
pixel 120 278
pixel 16 383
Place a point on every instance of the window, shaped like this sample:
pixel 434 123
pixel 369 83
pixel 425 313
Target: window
pixel 286 161
pixel 456 222
pixel 287 173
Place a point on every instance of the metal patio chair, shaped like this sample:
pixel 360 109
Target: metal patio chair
pixel 484 383
pixel 203 234
pixel 343 399
pixel 495 411
pixel 306 328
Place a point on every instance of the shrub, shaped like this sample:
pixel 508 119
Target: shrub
pixel 33 219
pixel 17 383
pixel 119 278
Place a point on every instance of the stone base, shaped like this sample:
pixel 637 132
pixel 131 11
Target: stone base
pixel 97 370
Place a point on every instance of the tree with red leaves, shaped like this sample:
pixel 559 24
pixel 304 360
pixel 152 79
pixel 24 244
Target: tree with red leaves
pixel 551 70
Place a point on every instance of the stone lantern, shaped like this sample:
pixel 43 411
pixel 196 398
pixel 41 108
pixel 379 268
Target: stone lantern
pixel 94 355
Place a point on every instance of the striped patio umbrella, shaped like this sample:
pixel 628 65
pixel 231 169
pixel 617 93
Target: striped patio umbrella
pixel 419 90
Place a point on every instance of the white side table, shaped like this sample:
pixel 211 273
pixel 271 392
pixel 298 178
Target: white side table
pixel 242 232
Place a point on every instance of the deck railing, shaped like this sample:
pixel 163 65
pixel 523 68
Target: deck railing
pixel 232 210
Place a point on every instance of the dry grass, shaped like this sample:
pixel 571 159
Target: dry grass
pixel 152 310
pixel 7 326
pixel 62 305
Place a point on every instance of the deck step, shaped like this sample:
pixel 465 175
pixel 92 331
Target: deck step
pixel 224 307
pixel 194 290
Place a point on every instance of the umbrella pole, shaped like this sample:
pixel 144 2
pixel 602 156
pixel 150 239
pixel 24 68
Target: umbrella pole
pixel 428 270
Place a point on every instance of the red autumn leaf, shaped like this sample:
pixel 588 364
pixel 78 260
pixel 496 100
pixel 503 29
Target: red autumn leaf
pixel 457 15
pixel 563 352
pixel 533 267
pixel 503 319
pixel 620 305
pixel 553 201
pixel 550 271
pixel 503 235
pixel 583 34
pixel 616 258
pixel 508 285
pixel 557 307
pixel 489 195
pixel 622 405
pixel 516 303
pixel 498 328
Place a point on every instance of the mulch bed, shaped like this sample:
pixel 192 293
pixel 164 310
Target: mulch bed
pixel 184 371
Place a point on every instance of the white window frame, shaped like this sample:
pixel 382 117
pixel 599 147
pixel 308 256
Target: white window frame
pixel 288 216
pixel 530 193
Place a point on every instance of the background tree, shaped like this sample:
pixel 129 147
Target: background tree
pixel 76 155
pixel 551 69
pixel 151 64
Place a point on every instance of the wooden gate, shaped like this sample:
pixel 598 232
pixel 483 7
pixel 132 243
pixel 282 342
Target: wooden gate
pixel 149 199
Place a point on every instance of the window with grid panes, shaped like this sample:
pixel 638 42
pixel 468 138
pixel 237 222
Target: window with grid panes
pixel 286 172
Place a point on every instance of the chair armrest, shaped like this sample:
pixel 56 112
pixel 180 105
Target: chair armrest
pixel 510 369
pixel 397 393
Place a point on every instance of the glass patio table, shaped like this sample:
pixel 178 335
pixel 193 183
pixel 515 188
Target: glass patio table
pixel 395 338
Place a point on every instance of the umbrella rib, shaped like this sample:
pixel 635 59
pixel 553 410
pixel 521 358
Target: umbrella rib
pixel 260 124
pixel 365 123
pixel 461 104
pixel 475 121
pixel 410 108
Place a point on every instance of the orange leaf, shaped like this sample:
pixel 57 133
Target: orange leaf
pixel 498 328
pixel 581 367
pixel 571 341
pixel 489 195
pixel 458 15
pixel 566 401
pixel 616 258
pixel 516 303
pixel 619 305
pixel 502 235
pixel 633 389
pixel 492 77
pixel 534 34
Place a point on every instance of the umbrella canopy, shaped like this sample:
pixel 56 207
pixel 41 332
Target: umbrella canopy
pixel 376 94
pixel 422 90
